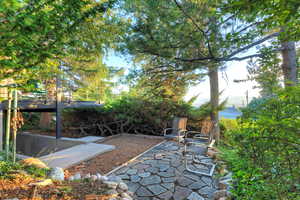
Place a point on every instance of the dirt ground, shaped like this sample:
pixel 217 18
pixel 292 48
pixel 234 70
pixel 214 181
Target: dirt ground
pixel 127 147
pixel 19 187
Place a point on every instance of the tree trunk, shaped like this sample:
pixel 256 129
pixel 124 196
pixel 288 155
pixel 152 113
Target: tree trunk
pixel 214 100
pixel 289 63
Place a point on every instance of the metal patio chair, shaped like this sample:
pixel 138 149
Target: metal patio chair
pixel 196 147
pixel 178 129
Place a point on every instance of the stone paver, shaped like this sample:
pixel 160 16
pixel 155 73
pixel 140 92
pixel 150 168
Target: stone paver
pixel 75 154
pixel 160 174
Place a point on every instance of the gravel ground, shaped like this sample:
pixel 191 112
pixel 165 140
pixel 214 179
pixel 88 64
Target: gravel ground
pixel 127 147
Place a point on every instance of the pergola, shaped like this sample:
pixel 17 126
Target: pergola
pixel 44 106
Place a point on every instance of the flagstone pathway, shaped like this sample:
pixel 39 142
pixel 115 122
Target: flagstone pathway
pixel 160 174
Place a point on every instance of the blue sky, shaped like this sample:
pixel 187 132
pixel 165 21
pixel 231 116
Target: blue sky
pixel 235 92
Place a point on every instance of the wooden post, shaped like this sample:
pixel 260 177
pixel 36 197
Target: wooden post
pixel 1 130
pixel 58 106
pixel 7 131
pixel 15 118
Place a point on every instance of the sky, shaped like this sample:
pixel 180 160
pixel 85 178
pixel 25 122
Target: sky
pixel 235 92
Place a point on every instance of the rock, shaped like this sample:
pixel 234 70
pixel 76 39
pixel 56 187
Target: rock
pixel 182 181
pixel 132 171
pixel 219 194
pixel 123 186
pixel 99 177
pixel 143 192
pixel 112 192
pixel 94 177
pixel 115 179
pixel 144 175
pixel 57 173
pixel 150 180
pixel 181 193
pixel 42 183
pixel 34 162
pixel 157 189
pixel 224 184
pixel 103 178
pixel 77 176
pixel 124 195
pixel 111 184
pixel 87 176
pixel 135 178
pixel 195 196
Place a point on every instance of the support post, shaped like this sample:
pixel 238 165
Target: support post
pixel 7 128
pixel 58 106
pixel 15 119
pixel 1 130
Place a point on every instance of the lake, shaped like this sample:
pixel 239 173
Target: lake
pixel 230 113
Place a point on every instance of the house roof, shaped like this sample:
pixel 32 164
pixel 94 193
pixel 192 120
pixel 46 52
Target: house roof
pixel 49 106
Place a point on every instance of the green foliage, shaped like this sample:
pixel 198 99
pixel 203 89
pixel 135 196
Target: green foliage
pixel 31 120
pixel 34 31
pixel 7 169
pixel 227 129
pixel 254 108
pixel 264 154
pixel 266 71
pixel 269 14
pixel 131 114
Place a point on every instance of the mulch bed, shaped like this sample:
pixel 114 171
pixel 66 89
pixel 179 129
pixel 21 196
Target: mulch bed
pixel 127 147
pixel 18 187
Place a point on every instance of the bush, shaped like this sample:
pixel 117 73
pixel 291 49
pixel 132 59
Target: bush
pixel 7 169
pixel 227 127
pixel 265 150
pixel 128 115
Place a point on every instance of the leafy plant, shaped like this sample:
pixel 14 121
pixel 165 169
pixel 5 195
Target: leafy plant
pixel 264 154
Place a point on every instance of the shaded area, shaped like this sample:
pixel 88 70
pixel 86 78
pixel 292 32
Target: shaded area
pixel 36 146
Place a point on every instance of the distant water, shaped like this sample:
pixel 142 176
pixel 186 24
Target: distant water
pixel 230 113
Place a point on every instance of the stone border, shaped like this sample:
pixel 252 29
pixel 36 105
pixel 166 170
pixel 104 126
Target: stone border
pixel 133 159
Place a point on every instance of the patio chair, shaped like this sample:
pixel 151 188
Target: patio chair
pixel 196 147
pixel 178 129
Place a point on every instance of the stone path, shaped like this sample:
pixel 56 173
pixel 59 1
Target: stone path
pixel 160 174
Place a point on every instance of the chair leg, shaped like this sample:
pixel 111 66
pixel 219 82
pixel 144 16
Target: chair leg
pixel 211 171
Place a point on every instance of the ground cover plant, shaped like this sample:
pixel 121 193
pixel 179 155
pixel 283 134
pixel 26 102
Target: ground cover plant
pixel 264 149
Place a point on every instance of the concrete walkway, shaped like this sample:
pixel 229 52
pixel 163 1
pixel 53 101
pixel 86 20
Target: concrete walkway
pixel 74 155
pixel 160 174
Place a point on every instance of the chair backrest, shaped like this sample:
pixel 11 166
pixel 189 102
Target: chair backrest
pixel 179 123
pixel 206 126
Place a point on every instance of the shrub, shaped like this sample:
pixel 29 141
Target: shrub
pixel 227 127
pixel 9 168
pixel 127 115
pixel 265 150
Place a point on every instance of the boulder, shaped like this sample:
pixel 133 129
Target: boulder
pixel 122 186
pixel 34 162
pixel 111 184
pixel 57 174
